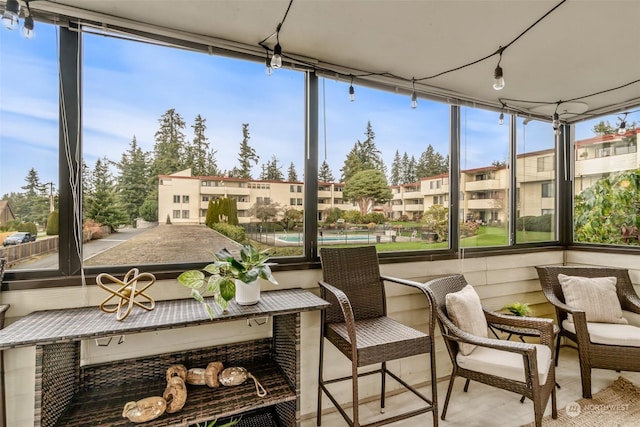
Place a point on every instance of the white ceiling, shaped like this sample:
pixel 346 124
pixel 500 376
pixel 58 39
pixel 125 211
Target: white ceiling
pixel 583 47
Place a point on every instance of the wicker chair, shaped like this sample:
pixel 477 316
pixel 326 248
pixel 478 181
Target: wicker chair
pixel 592 354
pixel 530 386
pixel 357 324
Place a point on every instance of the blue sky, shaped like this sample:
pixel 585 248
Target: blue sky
pixel 128 86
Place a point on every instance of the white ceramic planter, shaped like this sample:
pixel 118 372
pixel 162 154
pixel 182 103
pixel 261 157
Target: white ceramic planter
pixel 247 293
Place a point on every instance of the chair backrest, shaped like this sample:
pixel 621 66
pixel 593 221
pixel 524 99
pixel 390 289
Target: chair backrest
pixel 438 290
pixel 548 276
pixel 355 271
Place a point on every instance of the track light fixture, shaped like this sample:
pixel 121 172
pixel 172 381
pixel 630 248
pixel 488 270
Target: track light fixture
pixel 11 18
pixel 414 95
pixel 622 128
pixel 352 91
pixel 498 77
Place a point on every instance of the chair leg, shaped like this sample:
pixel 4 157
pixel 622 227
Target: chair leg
pixel 383 386
pixel 558 348
pixel 354 392
pixel 554 405
pixel 585 373
pixel 446 399
pixel 466 385
pixel 434 385
pixel 320 381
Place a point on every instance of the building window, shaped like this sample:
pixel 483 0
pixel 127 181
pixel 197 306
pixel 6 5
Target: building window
pixel 547 190
pixel 292 201
pixel 205 198
pixel 292 188
pixel 176 199
pixel 545 163
pixel 185 199
pixel 299 188
pixel 185 214
pixel 203 213
pixel 176 213
pixel 299 202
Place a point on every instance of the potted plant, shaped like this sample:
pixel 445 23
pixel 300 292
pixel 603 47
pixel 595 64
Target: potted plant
pixel 518 309
pixel 230 277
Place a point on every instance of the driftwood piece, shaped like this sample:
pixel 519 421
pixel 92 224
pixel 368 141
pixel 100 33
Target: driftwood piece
pixel 146 409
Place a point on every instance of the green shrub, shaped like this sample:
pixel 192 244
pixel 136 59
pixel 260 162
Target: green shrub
pixel 375 217
pixel 168 219
pixel 28 227
pixel 535 223
pixel 234 232
pixel 53 224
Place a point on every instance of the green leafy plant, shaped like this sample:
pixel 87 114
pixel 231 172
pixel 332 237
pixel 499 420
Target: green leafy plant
pixel 518 309
pixel 213 423
pixel 253 264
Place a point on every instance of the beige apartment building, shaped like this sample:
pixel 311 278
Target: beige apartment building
pixel 484 191
pixel 184 198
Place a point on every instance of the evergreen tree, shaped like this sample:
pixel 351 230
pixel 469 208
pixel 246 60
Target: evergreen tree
pixel 103 204
pixel 431 163
pixel 396 170
pixel 271 171
pixel 200 158
pixel 169 149
pixel 364 155
pixel 324 174
pixel 35 206
pixel 246 155
pixel 133 182
pixel 292 175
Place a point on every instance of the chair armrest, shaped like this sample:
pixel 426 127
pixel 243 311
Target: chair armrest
pixel 347 311
pixel 459 335
pixel 542 325
pixel 422 288
pixel 630 301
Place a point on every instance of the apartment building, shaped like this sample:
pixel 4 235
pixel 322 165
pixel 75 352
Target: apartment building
pixel 184 198
pixel 484 191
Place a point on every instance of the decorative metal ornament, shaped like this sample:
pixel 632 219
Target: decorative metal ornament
pixel 237 375
pixel 129 289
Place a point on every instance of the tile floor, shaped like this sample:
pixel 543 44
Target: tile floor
pixel 484 406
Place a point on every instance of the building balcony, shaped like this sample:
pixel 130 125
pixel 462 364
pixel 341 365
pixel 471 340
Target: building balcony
pixel 487 184
pixel 418 207
pixel 485 204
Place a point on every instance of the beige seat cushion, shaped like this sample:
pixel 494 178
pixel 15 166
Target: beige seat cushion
pixel 595 295
pixel 504 363
pixel 632 318
pixel 609 333
pixel 465 310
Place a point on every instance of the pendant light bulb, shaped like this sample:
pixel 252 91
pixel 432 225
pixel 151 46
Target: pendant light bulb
pixel 276 59
pixel 623 128
pixel 498 78
pixel 414 99
pixel 27 28
pixel 501 119
pixel 10 18
pixel 268 66
pixel 352 93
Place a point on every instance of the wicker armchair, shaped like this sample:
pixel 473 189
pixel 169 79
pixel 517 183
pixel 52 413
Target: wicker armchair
pixel 593 354
pixel 493 354
pixel 356 323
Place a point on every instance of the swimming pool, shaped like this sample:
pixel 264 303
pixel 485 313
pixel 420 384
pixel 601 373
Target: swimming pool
pixel 298 238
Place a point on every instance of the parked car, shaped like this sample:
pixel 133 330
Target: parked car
pixel 17 238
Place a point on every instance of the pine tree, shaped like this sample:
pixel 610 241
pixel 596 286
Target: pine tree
pixel 324 174
pixel 364 155
pixel 35 206
pixel 292 175
pixel 431 163
pixel 200 158
pixel 103 204
pixel 273 172
pixel 133 181
pixel 169 149
pixel 396 170
pixel 246 155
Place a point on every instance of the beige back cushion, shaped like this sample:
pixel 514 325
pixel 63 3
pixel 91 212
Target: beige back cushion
pixel 595 295
pixel 465 310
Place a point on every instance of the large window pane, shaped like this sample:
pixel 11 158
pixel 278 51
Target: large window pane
pixel 174 139
pixel 389 164
pixel 607 180
pixel 29 147
pixel 535 181
pixel 484 179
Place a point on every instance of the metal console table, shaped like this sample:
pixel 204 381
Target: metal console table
pixel 68 394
